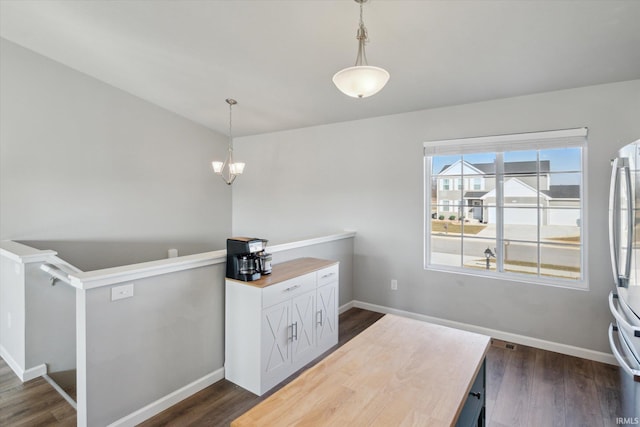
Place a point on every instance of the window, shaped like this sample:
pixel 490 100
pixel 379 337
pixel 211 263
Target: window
pixel 521 214
pixel 445 184
pixel 477 184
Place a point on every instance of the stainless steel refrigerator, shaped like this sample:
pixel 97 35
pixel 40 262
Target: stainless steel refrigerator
pixel 624 300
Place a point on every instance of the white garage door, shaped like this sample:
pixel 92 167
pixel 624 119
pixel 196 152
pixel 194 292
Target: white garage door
pixel 516 216
pixel 564 217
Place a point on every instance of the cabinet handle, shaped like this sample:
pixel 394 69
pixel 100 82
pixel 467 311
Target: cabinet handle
pixel 294 331
pixel 478 395
pixel 327 275
pixel 291 288
pixel 319 321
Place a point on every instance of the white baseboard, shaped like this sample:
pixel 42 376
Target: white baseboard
pixel 15 367
pixel 505 336
pixel 345 307
pixel 34 372
pixel 24 375
pixel 169 400
pixel 61 391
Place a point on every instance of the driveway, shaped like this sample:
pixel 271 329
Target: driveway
pixel 530 232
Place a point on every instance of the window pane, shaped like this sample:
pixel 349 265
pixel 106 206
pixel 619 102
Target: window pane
pixel 564 190
pixel 560 222
pixel 563 159
pixel 446 249
pixel 520 222
pixel 476 255
pixel 440 164
pixel 562 261
pixel 480 164
pixel 474 212
pixel 521 191
pixel 521 257
pixel 521 162
pixel 445 227
pixel 477 229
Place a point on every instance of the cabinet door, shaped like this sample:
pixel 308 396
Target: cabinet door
pixel 276 333
pixel 303 344
pixel 327 315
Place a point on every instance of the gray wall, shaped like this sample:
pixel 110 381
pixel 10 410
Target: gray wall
pixel 81 160
pixel 368 175
pixel 12 316
pixel 139 349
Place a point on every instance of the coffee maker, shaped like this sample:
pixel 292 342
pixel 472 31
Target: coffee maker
pixel 246 258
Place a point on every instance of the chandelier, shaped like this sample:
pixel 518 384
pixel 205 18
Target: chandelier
pixel 229 170
pixel 361 80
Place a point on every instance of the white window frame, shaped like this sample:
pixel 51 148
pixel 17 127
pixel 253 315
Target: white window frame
pixel 566 138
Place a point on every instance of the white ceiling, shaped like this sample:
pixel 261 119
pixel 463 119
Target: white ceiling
pixel 277 57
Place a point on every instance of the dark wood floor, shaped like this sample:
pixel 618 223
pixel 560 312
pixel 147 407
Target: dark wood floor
pixel 34 403
pixel 525 387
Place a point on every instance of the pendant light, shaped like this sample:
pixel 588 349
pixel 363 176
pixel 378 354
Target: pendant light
pixel 361 80
pixel 229 170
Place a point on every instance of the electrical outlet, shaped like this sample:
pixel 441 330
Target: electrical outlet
pixel 120 292
pixel 394 285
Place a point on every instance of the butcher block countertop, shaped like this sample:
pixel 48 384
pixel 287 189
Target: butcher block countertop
pixel 288 270
pixel 399 371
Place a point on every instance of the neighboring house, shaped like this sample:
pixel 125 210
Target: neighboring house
pixel 468 190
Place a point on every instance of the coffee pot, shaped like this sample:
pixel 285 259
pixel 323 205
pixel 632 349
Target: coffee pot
pixel 247 259
pixel 264 262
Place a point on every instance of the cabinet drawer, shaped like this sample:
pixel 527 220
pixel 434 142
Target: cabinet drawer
pixel 328 275
pixel 288 289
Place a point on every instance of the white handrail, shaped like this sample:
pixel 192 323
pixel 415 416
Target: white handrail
pixel 55 273
pixel 109 276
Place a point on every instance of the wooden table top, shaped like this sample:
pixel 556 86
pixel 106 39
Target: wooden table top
pixel 399 371
pixel 288 270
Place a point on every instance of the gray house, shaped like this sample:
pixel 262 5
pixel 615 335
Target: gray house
pixel 468 190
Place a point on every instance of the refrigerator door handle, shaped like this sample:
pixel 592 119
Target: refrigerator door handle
pixel 616 352
pixel 627 271
pixel 613 218
pixel 620 278
pixel 619 317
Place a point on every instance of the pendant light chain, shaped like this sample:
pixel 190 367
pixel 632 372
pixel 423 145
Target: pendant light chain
pixel 230 127
pixel 362 37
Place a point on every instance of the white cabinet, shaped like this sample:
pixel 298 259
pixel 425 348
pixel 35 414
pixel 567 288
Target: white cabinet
pixel 277 325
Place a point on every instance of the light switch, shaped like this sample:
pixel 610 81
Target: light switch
pixel 121 292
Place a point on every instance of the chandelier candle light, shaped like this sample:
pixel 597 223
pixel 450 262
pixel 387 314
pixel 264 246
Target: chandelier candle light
pixel 362 80
pixel 229 170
